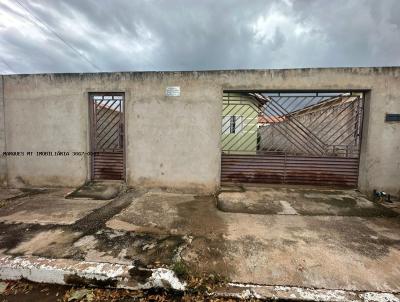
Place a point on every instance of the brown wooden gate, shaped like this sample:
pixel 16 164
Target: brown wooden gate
pixel 107 136
pixel 293 138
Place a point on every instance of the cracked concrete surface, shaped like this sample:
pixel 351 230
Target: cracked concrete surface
pixel 319 238
pixel 49 207
pixel 98 190
pixel 292 200
pixel 10 193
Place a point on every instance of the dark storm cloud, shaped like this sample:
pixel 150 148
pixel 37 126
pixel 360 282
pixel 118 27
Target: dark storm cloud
pixel 193 35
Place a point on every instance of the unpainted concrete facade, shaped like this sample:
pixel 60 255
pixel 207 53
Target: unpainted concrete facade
pixel 174 142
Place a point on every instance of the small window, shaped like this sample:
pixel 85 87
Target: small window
pixel 232 124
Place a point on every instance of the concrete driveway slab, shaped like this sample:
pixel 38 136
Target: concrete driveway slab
pixel 88 239
pixel 169 213
pixel 98 190
pixel 325 251
pixel 154 230
pixel 299 200
pixel 49 207
pixel 9 193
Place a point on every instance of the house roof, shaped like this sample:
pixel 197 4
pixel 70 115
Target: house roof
pixel 334 101
pixel 262 119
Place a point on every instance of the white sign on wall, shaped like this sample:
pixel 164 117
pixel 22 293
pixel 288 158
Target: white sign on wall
pixel 173 91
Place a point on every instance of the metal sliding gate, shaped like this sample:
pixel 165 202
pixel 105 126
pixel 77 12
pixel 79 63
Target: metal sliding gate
pixel 107 136
pixel 292 138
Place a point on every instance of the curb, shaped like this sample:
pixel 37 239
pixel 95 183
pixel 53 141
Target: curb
pixel 113 275
pixel 293 293
pixel 72 272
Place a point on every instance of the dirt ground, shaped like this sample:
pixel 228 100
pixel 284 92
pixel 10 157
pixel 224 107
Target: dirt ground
pixel 268 235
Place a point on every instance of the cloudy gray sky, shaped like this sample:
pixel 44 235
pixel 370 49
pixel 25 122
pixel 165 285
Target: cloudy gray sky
pixel 120 35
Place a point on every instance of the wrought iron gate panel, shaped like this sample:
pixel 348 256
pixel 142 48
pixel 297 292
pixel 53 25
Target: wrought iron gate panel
pixel 107 135
pixel 302 138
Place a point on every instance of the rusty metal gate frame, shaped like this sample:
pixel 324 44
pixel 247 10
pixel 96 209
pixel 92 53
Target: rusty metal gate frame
pixel 311 150
pixel 93 129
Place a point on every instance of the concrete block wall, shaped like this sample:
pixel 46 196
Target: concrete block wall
pixel 43 115
pixel 171 142
pixel 174 142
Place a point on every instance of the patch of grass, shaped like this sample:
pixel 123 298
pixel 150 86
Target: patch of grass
pixel 181 270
